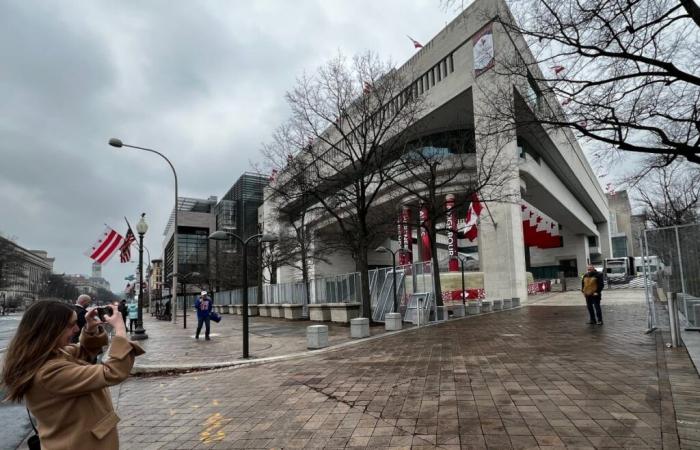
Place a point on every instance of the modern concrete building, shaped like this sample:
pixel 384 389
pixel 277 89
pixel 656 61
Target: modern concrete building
pixel 196 221
pixel 544 171
pixel 23 272
pixel 621 224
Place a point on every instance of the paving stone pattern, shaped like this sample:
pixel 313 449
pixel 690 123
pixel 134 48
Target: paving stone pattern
pixel 536 377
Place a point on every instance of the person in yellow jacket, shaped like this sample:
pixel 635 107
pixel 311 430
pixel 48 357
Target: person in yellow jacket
pixel 591 285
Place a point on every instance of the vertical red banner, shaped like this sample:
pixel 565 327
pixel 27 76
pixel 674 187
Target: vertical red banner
pixel 401 236
pixel 450 225
pixel 406 257
pixel 424 236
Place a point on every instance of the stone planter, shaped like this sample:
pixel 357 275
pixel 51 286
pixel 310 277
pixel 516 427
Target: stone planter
pixel 230 309
pixel 292 312
pixel 317 336
pixel 392 321
pixel 458 310
pixel 359 328
pixel 320 312
pixel 486 306
pixel 515 301
pixel 276 311
pixel 264 310
pixel 252 310
pixel 344 312
pixel 473 308
pixel 497 305
pixel 239 310
pixel 507 303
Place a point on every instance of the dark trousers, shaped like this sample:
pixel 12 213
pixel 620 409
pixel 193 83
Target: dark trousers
pixel 206 322
pixel 132 322
pixel 593 305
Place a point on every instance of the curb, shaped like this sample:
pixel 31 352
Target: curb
pixel 176 369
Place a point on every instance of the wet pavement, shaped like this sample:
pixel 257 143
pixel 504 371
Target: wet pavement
pixel 268 337
pixel 535 377
pixel 13 418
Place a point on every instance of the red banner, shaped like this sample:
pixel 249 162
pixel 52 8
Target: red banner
pixel 406 257
pixel 451 219
pixel 424 236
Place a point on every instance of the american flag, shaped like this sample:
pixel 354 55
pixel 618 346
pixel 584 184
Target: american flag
pixel 125 249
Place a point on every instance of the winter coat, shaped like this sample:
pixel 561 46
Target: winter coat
pixel 133 311
pixel 592 283
pixel 203 307
pixel 69 396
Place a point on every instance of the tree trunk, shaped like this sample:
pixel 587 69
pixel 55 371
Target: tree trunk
pixel 361 266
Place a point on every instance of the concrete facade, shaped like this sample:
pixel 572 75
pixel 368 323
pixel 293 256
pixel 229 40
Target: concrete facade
pixel 554 175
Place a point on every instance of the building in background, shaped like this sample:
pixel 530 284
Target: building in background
pixel 621 236
pixel 237 212
pixel 156 278
pixel 23 272
pixel 97 279
pixel 196 221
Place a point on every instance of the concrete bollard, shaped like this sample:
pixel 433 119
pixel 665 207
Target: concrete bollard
pixel 359 328
pixel 473 308
pixel 515 302
pixel 393 321
pixel 486 306
pixel 507 303
pixel 317 336
pixel 497 305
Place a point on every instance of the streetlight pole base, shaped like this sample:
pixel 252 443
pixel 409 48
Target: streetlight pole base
pixel 139 335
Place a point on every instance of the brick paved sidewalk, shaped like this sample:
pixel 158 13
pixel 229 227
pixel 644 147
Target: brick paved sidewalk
pixel 537 377
pixel 170 345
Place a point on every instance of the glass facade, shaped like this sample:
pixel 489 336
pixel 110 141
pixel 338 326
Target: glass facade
pixel 619 246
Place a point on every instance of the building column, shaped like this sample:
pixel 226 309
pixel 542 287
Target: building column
pixel 604 240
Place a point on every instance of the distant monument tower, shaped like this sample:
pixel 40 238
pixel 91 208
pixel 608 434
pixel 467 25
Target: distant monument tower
pixel 96 270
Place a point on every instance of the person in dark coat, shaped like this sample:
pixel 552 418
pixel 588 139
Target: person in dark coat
pixel 591 286
pixel 123 310
pixel 203 305
pixel 80 308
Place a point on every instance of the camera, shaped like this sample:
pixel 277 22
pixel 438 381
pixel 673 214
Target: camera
pixel 103 311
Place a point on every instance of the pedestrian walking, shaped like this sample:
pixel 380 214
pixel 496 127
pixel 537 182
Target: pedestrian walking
pixel 60 383
pixel 133 315
pixel 591 286
pixel 80 308
pixel 123 310
pixel 203 305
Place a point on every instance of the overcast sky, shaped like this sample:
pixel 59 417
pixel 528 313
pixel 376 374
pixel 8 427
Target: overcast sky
pixel 203 82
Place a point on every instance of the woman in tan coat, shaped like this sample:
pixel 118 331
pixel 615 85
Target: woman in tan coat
pixel 61 384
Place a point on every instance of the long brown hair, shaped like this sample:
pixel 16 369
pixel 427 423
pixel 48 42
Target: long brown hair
pixel 34 343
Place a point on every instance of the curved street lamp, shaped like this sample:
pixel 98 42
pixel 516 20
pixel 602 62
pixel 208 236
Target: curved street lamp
pixel 114 142
pixel 226 235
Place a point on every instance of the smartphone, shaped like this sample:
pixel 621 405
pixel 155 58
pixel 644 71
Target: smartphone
pixel 103 311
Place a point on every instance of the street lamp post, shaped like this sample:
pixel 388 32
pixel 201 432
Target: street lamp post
pixel 223 235
pixel 141 229
pixel 393 266
pixel 461 263
pixel 114 142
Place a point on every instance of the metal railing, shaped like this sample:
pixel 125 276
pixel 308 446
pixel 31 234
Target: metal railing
pixel 345 288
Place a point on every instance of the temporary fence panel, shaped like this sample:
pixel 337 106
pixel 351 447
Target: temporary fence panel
pixel 345 288
pixel 672 259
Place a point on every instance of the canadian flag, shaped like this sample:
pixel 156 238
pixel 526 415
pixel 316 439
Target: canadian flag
pixel 471 230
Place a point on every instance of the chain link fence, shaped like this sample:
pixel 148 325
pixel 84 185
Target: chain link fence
pixel 672 264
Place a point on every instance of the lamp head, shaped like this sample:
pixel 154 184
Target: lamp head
pixel 142 226
pixel 382 249
pixel 114 142
pixel 219 236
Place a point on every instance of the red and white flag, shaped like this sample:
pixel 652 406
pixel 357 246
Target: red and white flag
pixel 416 44
pixel 125 248
pixel 107 244
pixel 470 230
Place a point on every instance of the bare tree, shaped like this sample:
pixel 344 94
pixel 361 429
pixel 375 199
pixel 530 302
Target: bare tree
pixel 348 120
pixel 432 166
pixel 622 75
pixel 670 195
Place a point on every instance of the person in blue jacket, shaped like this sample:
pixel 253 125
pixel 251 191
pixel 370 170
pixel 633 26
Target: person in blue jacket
pixel 203 305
